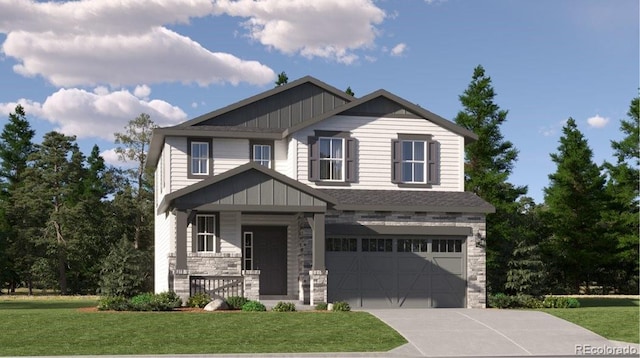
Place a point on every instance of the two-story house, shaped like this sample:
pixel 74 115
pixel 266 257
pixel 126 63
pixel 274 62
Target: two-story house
pixel 305 192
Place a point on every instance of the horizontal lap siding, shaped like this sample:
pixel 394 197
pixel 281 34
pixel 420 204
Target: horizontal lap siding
pixel 162 248
pixel 281 162
pixel 229 154
pixel 178 160
pixel 374 137
pixel 230 238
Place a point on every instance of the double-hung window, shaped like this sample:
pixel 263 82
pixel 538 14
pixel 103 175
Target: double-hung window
pixel 415 160
pixel 331 159
pixel 205 233
pixel 199 155
pixel 262 154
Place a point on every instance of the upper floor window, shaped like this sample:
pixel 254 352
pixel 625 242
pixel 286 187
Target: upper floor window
pixel 262 154
pixel 199 158
pixel 415 160
pixel 205 237
pixel 332 157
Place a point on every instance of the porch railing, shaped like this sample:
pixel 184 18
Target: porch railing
pixel 222 286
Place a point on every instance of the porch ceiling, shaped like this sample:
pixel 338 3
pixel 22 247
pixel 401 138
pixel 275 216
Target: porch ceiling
pixel 250 187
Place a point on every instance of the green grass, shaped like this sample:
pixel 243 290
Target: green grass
pixel 613 318
pixel 57 327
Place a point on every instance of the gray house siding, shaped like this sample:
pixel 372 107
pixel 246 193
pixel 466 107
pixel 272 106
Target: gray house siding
pixel 284 110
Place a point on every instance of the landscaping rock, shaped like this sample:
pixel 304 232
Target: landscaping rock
pixel 216 305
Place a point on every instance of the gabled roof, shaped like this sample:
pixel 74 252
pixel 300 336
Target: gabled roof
pixel 413 108
pixel 267 94
pixel 284 110
pixel 242 179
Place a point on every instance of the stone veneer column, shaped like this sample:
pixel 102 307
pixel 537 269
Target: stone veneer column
pixel 251 284
pixel 476 269
pixel 181 286
pixel 318 286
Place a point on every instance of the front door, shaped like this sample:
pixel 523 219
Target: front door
pixel 269 251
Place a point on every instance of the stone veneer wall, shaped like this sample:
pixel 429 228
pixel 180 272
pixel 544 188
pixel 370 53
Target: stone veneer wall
pixel 203 264
pixel 304 260
pixel 476 273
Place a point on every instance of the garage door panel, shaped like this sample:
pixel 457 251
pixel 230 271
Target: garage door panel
pixel 378 262
pixel 412 263
pixel 378 281
pixel 449 264
pixel 447 300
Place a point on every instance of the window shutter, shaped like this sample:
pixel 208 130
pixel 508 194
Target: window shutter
pixel 314 159
pixel 351 153
pixel 396 161
pixel 433 162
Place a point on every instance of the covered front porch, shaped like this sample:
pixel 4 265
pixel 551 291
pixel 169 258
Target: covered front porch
pixel 249 232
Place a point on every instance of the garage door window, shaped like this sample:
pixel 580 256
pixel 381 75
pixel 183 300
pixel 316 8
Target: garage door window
pixel 377 245
pixel 412 245
pixel 337 244
pixel 446 245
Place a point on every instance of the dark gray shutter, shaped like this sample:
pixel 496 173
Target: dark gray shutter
pixel 396 161
pixel 351 165
pixel 314 159
pixel 433 162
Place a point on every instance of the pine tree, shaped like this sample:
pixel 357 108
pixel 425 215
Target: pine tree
pixel 16 255
pixel 350 92
pixel 488 164
pixel 575 199
pixel 622 214
pixel 282 79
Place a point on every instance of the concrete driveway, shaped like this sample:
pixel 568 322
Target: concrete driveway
pixel 491 332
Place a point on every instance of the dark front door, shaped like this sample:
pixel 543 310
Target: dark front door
pixel 270 257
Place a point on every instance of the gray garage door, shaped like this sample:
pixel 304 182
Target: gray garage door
pixel 392 272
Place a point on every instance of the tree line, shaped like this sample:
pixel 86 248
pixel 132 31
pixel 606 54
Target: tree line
pixel 62 213
pixel 70 222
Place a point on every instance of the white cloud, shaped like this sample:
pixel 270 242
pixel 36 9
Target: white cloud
pixel 330 29
pixel 91 42
pixel 142 92
pixel 597 121
pixel 398 49
pixel 97 114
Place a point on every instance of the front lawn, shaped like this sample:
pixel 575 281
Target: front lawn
pixel 58 327
pixel 613 318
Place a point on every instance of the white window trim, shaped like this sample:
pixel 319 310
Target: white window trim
pixel 261 160
pixel 205 234
pixel 246 260
pixel 343 159
pixel 205 158
pixel 413 161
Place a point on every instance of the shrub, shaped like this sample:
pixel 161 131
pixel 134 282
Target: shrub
pixel 142 302
pixel 113 303
pixel 341 306
pixel 253 306
pixel 322 306
pixel 560 302
pixel 169 299
pixel 284 307
pixel 236 302
pixel 199 300
pixel 499 300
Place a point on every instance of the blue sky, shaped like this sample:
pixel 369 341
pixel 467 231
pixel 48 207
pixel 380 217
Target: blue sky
pixel 87 67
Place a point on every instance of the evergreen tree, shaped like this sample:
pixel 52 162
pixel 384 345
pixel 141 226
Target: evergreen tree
pixel 282 79
pixel 52 187
pixel 16 255
pixel 488 164
pixel 349 91
pixel 575 199
pixel 124 271
pixel 622 214
pixel 135 143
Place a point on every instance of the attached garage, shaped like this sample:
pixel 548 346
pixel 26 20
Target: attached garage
pixel 391 271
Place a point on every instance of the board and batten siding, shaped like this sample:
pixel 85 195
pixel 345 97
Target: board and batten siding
pixel 374 137
pixel 162 248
